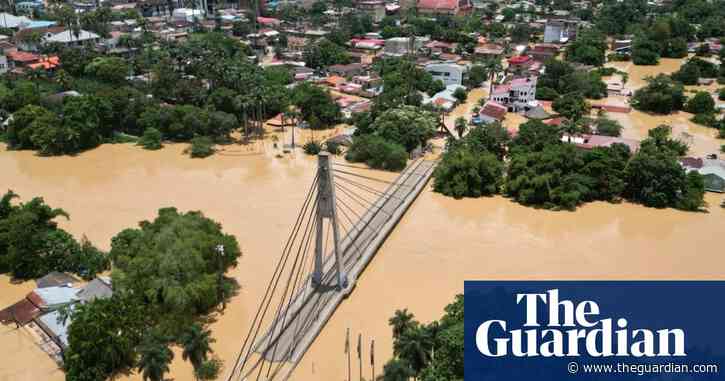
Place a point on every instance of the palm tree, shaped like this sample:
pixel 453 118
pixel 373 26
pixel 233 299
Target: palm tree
pixel 401 322
pixel 196 343
pixel 155 359
pixel 396 370
pixel 415 347
pixel 493 66
pixel 460 126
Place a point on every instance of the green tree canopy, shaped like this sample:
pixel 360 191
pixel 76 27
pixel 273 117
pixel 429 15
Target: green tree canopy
pixel 661 95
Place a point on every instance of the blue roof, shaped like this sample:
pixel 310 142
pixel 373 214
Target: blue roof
pixel 52 323
pixel 40 24
pixel 57 296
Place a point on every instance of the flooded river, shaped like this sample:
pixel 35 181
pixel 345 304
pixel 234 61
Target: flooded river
pixel 439 243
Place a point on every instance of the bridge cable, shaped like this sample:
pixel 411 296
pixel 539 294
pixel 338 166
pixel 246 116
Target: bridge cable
pixel 339 164
pixel 362 176
pixel 357 198
pixel 277 270
pixel 306 237
pixel 367 188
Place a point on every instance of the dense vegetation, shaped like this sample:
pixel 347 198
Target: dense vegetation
pixel 166 274
pixel 661 96
pixel 32 244
pixel 427 352
pixel 386 142
pixel 545 172
pixel 561 78
pixel 205 86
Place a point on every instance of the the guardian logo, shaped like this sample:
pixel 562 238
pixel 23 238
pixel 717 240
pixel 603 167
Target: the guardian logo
pixel 572 330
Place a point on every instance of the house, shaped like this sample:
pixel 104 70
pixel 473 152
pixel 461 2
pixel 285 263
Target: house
pixel 440 47
pixel 68 38
pixel 55 279
pixel 48 63
pixel 488 51
pixel 400 46
pixel 712 170
pixel 439 7
pixel 520 63
pixel 445 99
pixel 21 313
pixel 543 52
pixel 54 297
pixel 269 21
pixel 588 142
pixel 518 95
pixel 9 21
pixel 55 327
pixel 374 8
pixel 99 288
pixel 449 73
pixel 559 31
pixel 492 112
pixel 187 14
pixel 4 66
pixel 18 60
pixel 346 71
pixel 52 323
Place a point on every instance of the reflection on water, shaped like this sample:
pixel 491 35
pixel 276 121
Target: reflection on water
pixel 422 265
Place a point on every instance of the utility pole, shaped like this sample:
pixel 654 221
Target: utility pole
pixel 372 359
pixel 359 353
pixel 326 209
pixel 220 287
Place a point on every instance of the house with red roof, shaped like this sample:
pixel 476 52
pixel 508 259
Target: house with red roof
pixel 520 63
pixel 492 112
pixel 268 21
pixel 439 7
pixel 589 142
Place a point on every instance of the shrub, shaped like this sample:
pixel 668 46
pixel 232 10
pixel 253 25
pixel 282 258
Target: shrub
pixel 377 153
pixel 151 139
pixel 721 94
pixel 460 94
pixel 705 119
pixel 201 146
pixel 333 147
pixel 701 103
pixel 546 94
pixel 608 127
pixel 312 147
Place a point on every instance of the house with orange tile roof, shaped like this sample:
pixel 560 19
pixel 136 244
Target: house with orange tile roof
pixel 439 7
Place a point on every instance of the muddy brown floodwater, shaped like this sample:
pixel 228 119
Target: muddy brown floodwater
pixel 440 242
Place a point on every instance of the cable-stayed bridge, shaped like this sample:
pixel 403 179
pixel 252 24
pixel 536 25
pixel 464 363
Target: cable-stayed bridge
pixel 345 218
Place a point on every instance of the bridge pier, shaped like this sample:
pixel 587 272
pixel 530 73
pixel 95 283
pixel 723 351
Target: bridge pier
pixel 326 210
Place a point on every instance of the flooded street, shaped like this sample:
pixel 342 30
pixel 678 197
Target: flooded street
pixel 638 73
pixel 439 243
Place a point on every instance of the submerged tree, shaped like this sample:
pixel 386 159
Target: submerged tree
pixel 196 345
pixel 155 357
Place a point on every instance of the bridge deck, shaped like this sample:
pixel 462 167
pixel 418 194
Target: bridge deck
pixel 295 329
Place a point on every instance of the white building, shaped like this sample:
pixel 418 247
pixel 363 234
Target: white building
pixel 449 73
pixel 4 67
pixel 517 95
pixel 556 31
pixel 69 38
pixel 187 14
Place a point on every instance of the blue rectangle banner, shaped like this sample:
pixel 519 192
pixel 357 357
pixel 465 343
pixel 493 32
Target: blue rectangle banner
pixel 594 330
